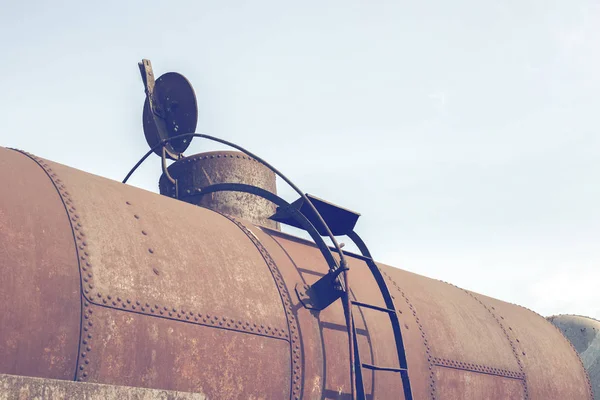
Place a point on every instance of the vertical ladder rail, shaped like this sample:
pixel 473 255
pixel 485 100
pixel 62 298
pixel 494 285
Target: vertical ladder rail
pixel 359 385
pixel 391 311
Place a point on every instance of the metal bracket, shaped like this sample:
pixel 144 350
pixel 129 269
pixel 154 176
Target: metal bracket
pixel 166 172
pixel 166 113
pixel 323 292
pixel 148 79
pixel 340 220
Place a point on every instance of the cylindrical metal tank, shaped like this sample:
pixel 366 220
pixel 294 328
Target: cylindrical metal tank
pixel 584 334
pixel 196 172
pixel 103 282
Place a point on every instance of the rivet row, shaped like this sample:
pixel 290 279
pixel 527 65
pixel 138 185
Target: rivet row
pixel 421 330
pixel 198 318
pixel 82 254
pixel 478 368
pixel 507 335
pixel 88 286
pixel 213 156
pixel 296 354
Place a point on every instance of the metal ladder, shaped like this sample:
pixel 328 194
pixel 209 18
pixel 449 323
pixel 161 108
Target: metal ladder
pixel 341 222
pixel 389 309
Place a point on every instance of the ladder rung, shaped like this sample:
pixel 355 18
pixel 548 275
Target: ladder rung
pixel 383 309
pixel 376 368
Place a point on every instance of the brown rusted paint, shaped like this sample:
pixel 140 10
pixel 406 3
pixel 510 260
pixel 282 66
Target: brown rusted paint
pixel 200 170
pixel 308 321
pixel 447 315
pixel 323 340
pixel 139 350
pixel 107 282
pixel 39 284
pixel 482 369
pixel 467 385
pixel 416 343
pixel 292 322
pixel 443 327
pixel 453 315
pixel 205 263
pixel 544 353
pixel 179 297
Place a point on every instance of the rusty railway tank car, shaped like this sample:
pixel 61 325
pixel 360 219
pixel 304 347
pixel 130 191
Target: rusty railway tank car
pixel 105 283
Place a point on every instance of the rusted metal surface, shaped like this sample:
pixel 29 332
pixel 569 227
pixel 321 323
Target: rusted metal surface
pixel 145 252
pixel 309 331
pixel 551 364
pixel 446 316
pixel 292 322
pixel 178 297
pixel 201 170
pixel 448 328
pixel 467 385
pixel 139 350
pixel 226 285
pixel 39 282
pixel 584 335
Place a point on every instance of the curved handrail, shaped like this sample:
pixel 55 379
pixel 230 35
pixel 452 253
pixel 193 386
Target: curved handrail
pixel 342 263
pixel 257 158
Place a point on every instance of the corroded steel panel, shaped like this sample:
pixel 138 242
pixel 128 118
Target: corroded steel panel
pixel 309 331
pixel 416 340
pixel 552 366
pixel 179 297
pixel 291 316
pixel 442 326
pixel 448 315
pixel 39 282
pixel 159 256
pixel 468 385
pixel 132 349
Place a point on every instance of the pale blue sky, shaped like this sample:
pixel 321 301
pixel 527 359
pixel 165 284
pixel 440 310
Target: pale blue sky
pixel 465 132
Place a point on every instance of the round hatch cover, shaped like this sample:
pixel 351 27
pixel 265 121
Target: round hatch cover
pixel 176 106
